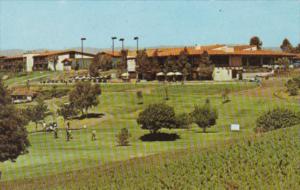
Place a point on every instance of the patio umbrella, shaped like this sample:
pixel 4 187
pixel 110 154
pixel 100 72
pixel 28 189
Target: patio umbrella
pixel 160 74
pixel 178 73
pixel 170 74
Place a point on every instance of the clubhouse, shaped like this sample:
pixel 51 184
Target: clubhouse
pixel 230 62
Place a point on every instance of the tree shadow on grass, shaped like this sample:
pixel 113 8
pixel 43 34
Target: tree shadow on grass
pixel 89 115
pixel 160 137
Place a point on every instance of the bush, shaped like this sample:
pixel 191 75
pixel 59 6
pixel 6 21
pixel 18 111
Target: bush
pixel 292 87
pixel 183 120
pixel 276 119
pixel 157 116
pixel 204 116
pixel 123 137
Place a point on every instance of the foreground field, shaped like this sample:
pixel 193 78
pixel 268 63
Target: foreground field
pixel 268 161
pixel 119 108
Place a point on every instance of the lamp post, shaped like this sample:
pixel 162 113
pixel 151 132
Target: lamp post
pixel 137 43
pixel 113 44
pixel 122 40
pixel 82 39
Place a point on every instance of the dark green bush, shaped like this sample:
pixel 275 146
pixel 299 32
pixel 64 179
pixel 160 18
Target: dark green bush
pixel 123 137
pixel 205 116
pixel 276 119
pixel 157 116
pixel 292 87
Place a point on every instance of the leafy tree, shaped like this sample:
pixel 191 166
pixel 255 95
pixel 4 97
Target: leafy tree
pixel 84 96
pixel 296 49
pixel 101 61
pixel 276 119
pixel 170 65
pixel 122 64
pixel 256 41
pixel 143 65
pixel 283 61
pixel 205 69
pixel 13 134
pixel 94 69
pixel 123 137
pixel 67 111
pixel 157 116
pixel 155 64
pixel 286 46
pixel 37 113
pixel 292 87
pixel 184 65
pixel 204 116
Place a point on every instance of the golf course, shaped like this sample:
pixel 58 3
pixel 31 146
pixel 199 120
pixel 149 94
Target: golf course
pixel 50 161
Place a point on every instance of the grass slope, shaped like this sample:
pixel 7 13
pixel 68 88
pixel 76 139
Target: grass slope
pixel 269 161
pixel 48 156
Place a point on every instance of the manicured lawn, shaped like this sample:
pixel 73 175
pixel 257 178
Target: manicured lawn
pixel 118 103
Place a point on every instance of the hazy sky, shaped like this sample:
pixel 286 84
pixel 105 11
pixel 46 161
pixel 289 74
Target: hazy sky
pixel 60 24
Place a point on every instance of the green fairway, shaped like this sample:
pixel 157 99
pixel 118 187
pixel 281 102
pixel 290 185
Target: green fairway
pixel 120 107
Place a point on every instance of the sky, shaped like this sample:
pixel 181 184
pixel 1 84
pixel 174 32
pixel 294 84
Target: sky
pixel 60 24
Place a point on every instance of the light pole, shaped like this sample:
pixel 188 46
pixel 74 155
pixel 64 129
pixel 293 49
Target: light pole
pixel 82 39
pixel 122 40
pixel 113 44
pixel 137 43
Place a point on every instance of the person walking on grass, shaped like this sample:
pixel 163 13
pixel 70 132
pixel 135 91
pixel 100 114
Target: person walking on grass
pixel 68 132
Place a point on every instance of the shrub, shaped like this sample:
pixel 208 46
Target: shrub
pixel 204 116
pixel 157 116
pixel 292 87
pixel 276 119
pixel 123 137
pixel 183 120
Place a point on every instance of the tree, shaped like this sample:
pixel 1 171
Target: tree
pixel 67 111
pixel 122 64
pixel 183 63
pixel 157 116
pixel 101 61
pixel 84 96
pixel 170 65
pixel 54 60
pixel 143 65
pixel 38 112
pixel 13 134
pixel 256 41
pixel 296 49
pixel 205 69
pixel 283 61
pixel 123 137
pixel 204 116
pixel 155 64
pixel 286 46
